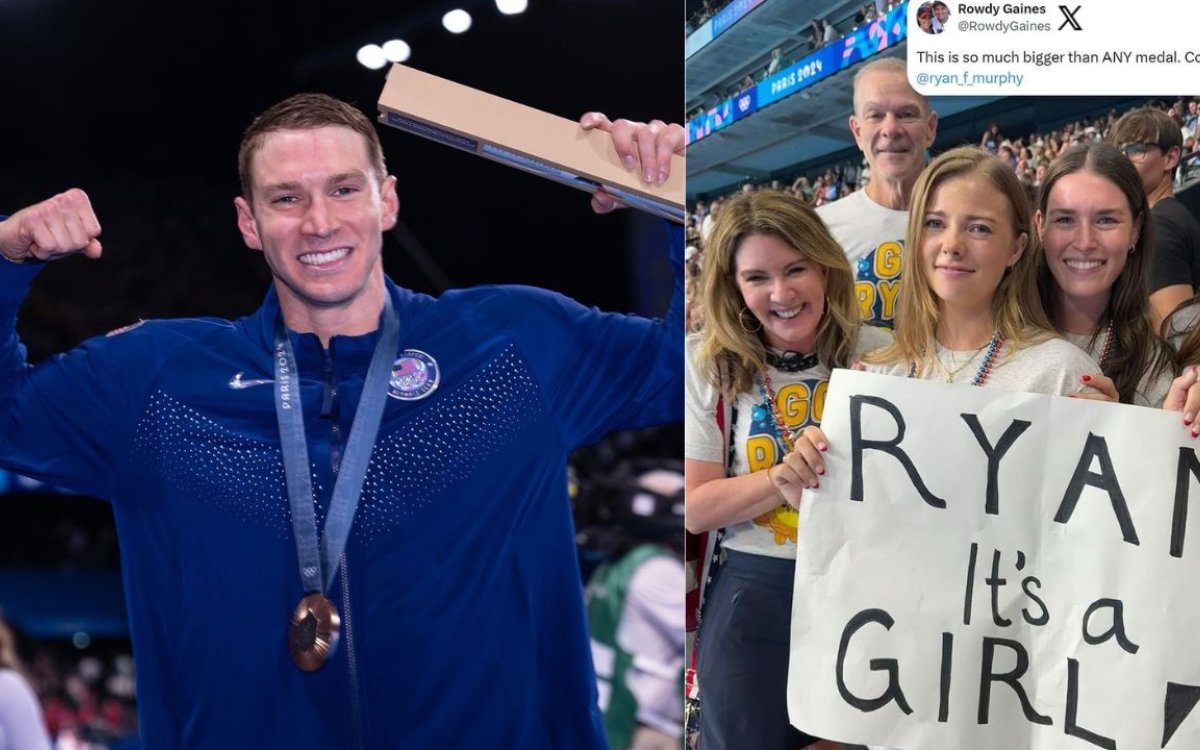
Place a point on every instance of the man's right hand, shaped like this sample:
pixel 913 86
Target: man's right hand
pixel 55 228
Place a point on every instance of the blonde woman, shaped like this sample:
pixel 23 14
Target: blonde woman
pixel 780 314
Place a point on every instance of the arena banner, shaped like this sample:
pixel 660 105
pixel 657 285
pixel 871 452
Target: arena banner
pixel 998 571
pixel 840 54
pixel 731 14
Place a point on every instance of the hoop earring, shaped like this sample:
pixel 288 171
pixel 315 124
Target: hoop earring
pixel 742 320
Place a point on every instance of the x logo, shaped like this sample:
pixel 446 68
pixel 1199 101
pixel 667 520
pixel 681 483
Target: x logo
pixel 1070 16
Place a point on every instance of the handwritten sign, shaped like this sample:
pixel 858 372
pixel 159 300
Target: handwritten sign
pixel 999 571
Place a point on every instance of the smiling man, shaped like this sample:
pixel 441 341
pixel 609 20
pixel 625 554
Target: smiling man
pixel 343 519
pixel 893 126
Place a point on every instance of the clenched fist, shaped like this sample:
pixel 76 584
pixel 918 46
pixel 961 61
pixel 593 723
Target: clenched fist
pixel 57 227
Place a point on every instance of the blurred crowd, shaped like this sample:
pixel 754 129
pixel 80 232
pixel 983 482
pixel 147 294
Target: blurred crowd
pixel 1029 155
pixel 87 697
pixel 66 696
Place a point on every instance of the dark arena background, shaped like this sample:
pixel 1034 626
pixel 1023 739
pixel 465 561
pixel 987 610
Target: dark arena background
pixel 143 104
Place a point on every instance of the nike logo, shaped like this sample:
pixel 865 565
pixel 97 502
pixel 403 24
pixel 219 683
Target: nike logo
pixel 238 384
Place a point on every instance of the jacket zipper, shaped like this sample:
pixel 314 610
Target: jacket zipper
pixel 348 634
pixel 329 410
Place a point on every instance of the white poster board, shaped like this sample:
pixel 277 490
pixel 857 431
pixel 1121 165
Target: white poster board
pixel 993 570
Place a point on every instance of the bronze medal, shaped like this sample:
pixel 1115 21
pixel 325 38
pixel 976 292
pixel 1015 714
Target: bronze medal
pixel 314 631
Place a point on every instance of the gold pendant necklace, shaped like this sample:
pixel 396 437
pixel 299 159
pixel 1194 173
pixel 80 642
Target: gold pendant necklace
pixel 951 374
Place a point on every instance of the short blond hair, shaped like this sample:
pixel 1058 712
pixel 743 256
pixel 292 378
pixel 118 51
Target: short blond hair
pixel 892 65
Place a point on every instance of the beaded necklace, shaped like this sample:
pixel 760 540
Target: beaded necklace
pixel 1106 350
pixel 768 392
pixel 985 366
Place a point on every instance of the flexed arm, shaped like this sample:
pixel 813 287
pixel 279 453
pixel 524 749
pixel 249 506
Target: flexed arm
pixel 69 420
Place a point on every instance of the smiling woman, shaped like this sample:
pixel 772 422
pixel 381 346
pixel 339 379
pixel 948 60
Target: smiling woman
pixel 1093 265
pixel 780 314
pixel 969 310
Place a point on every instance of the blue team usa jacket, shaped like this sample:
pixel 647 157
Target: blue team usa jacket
pixel 462 617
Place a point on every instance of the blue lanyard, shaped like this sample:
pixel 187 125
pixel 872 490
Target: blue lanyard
pixel 318 563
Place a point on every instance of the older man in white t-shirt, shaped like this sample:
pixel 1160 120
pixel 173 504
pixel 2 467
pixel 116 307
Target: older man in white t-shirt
pixel 893 125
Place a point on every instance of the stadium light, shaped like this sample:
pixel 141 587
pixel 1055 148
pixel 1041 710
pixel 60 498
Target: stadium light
pixel 396 50
pixel 512 7
pixel 372 56
pixel 457 21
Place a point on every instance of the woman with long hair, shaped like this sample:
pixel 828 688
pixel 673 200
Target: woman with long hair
pixel 780 315
pixel 968 309
pixel 22 726
pixel 1093 259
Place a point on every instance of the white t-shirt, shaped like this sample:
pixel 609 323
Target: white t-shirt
pixel 756 440
pixel 872 236
pixel 1150 391
pixel 1052 367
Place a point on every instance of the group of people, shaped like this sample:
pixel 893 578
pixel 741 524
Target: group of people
pixel 940 271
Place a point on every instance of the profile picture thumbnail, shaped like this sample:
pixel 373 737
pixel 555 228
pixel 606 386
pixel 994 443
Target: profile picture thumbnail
pixel 932 18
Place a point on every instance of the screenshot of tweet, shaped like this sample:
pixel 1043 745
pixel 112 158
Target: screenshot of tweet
pixel 1079 48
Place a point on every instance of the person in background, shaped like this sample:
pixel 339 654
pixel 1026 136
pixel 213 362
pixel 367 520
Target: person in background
pixel 1154 143
pixel 893 125
pixel 633 517
pixel 22 726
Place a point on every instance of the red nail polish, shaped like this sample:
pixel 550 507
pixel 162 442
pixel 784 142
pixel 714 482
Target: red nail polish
pixel 1086 378
pixel 822 447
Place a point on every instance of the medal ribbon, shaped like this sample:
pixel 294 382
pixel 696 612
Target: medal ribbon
pixel 315 558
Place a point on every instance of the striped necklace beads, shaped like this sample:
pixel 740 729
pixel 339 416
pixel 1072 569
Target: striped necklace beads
pixel 994 345
pixel 989 359
pixel 768 392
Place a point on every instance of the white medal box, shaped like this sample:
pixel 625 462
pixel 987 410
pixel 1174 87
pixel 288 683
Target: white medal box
pixel 522 137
